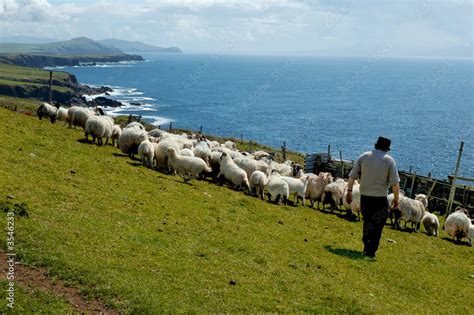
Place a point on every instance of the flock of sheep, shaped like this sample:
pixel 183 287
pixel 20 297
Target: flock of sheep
pixel 193 156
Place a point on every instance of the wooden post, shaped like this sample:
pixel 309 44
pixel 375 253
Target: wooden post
pixel 413 179
pixel 241 137
pixel 329 153
pixel 453 183
pixel 283 150
pixel 171 126
pixel 200 130
pixel 410 169
pixel 431 189
pixel 342 164
pixel 51 87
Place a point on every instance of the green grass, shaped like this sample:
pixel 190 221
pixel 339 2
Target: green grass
pixel 33 301
pixel 21 104
pixel 145 242
pixel 20 73
pixel 36 85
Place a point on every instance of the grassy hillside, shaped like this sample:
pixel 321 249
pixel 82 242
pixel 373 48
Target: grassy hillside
pixel 81 45
pixel 145 242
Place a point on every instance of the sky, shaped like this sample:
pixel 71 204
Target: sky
pixel 431 28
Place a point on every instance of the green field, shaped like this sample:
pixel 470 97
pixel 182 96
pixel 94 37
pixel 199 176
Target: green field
pixel 145 242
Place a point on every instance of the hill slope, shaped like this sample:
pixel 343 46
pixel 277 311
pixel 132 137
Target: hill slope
pixel 145 242
pixel 76 46
pixel 139 47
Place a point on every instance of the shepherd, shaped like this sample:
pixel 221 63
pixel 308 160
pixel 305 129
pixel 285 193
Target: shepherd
pixel 377 172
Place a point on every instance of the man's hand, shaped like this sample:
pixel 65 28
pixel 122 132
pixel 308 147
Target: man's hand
pixel 349 197
pixel 394 204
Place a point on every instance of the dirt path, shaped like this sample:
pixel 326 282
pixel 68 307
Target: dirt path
pixel 31 278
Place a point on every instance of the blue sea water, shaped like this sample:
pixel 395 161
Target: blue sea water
pixel 426 106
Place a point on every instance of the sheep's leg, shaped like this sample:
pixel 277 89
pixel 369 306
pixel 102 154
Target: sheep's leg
pixel 277 199
pixel 303 201
pixel 269 197
pixel 262 193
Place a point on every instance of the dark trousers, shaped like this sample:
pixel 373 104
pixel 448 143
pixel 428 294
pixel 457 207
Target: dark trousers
pixel 375 213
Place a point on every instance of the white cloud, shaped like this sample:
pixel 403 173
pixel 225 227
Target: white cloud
pixel 326 26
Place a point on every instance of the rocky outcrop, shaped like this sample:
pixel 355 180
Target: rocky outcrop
pixel 41 61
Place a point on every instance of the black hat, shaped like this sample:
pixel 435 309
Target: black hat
pixel 383 144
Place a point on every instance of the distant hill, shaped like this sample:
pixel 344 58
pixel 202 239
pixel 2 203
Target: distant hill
pixel 76 46
pixel 26 40
pixel 128 46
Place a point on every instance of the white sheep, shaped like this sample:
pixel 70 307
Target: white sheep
pixel 156 133
pixel 316 185
pixel 277 188
pixel 247 164
pixel 457 224
pixel 297 187
pixel 258 180
pixel 80 116
pixel 162 153
pixel 333 193
pixel 187 167
pixel 70 114
pixel 230 145
pixel 130 139
pixel 116 133
pixel 203 151
pixel 233 173
pixel 431 224
pixel 47 110
pixel 99 127
pixel 355 204
pixel 423 198
pixel 135 124
pixel 409 210
pixel 146 150
pixel 258 155
pixel 62 115
pixel 187 152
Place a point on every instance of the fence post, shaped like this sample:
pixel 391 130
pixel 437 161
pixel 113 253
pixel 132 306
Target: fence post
pixel 241 137
pixel 51 87
pixel 171 126
pixel 283 150
pixel 342 164
pixel 452 193
pixel 200 130
pixel 413 179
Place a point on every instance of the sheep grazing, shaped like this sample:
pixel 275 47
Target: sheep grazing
pixel 431 224
pixel 355 204
pixel 409 210
pixel 62 115
pixel 162 153
pixel 285 169
pixel 316 186
pixel 156 133
pixel 187 152
pixel 80 116
pixel 116 133
pixel 277 188
pixel 47 110
pixel 423 198
pixel 258 181
pixel 233 173
pixel 247 164
pixel 135 124
pixel 99 127
pixel 297 187
pixel 458 225
pixel 333 193
pixel 258 155
pixel 187 167
pixel 70 114
pixel 203 151
pixel 230 145
pixel 146 151
pixel 130 139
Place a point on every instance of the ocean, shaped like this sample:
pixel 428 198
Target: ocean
pixel 426 106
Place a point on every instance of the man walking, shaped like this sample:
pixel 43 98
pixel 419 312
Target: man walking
pixel 376 171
